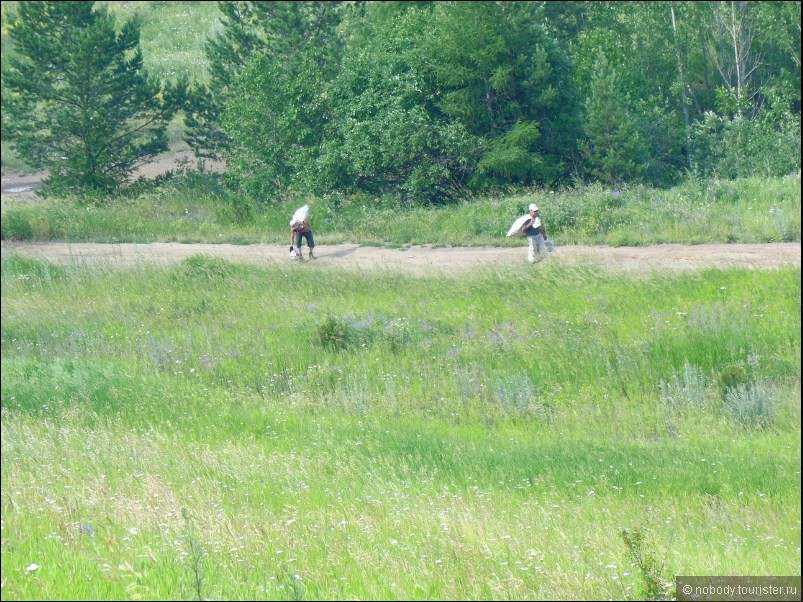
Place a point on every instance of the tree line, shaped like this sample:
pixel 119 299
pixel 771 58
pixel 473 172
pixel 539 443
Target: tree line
pixel 421 101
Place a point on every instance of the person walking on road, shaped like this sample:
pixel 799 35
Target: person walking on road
pixel 536 235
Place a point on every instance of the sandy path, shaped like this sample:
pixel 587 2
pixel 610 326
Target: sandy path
pixel 416 259
pixel 423 259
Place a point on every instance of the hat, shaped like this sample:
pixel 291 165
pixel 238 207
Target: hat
pixel 533 207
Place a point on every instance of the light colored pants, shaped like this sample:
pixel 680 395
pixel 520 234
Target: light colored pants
pixel 537 248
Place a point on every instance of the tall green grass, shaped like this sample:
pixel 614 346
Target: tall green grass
pixel 196 208
pixel 216 430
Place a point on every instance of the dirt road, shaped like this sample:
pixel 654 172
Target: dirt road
pixel 423 259
pixel 416 259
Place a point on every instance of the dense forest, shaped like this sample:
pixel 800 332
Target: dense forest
pixel 422 101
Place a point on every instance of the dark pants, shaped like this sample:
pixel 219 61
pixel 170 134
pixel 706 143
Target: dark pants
pixel 308 236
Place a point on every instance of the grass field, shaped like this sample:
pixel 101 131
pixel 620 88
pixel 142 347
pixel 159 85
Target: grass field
pixel 222 431
pixel 215 430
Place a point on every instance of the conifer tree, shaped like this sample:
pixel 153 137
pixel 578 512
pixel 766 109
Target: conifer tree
pixel 76 100
pixel 227 55
pixel 289 34
pixel 613 149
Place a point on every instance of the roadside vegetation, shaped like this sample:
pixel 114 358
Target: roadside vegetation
pixel 740 190
pixel 197 208
pixel 214 430
pixel 418 102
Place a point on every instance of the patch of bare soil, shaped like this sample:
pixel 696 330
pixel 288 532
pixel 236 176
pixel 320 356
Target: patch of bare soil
pixel 423 259
pixel 23 187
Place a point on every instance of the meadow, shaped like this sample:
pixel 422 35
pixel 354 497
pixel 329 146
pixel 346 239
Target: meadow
pixel 214 430
pixel 220 431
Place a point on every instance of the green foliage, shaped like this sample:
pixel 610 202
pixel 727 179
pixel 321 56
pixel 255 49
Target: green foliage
pixel 76 100
pixel 732 376
pixel 663 163
pixel 672 58
pixel 276 118
pixel 202 122
pixel 125 402
pixel 523 110
pixel 510 157
pixel 336 335
pixel 651 581
pixel 226 53
pixel 739 147
pixel 197 208
pixel 16 266
pixel 203 269
pixel 17 225
pixel 397 118
pixel 385 137
pixel 298 40
pixel 420 101
pixel 11 161
pixel 613 147
pixel 58 385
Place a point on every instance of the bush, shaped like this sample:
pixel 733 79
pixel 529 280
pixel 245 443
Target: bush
pixel 685 390
pixel 204 267
pixel 751 406
pixel 17 225
pixel 335 335
pixel 738 147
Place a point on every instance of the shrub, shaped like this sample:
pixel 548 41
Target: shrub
pixel 751 406
pixel 335 335
pixel 648 568
pixel 685 390
pixel 205 267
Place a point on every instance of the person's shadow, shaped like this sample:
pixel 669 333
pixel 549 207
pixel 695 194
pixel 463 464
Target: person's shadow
pixel 341 253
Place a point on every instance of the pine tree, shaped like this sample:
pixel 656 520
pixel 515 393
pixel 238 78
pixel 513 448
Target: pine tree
pixel 76 100
pixel 613 149
pixel 288 33
pixel 227 55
